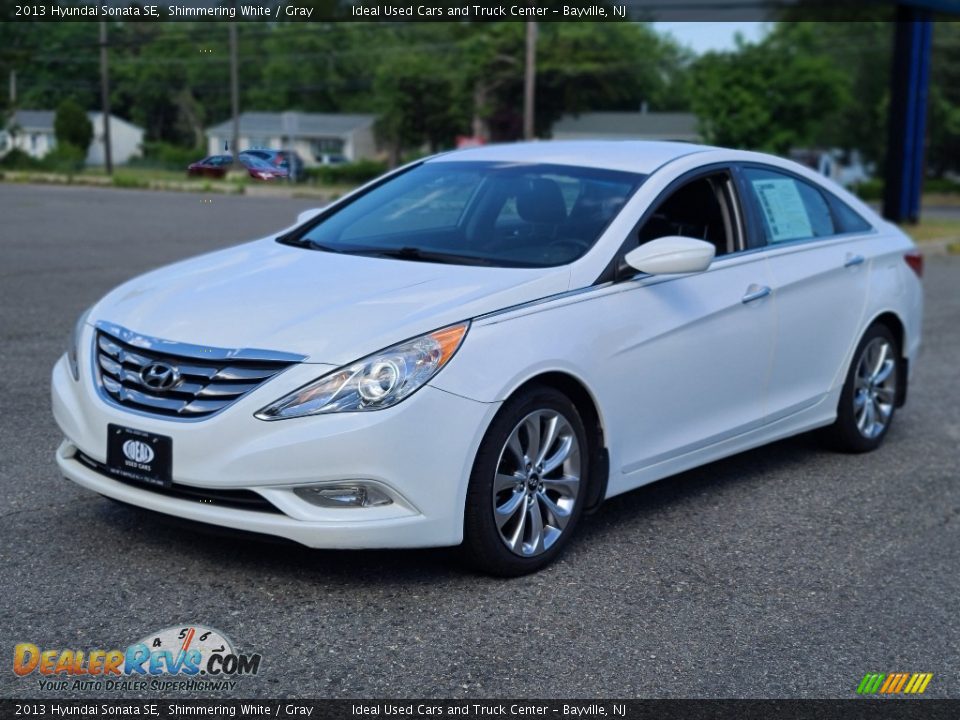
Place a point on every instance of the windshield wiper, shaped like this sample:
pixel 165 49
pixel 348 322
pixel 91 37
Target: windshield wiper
pixel 418 255
pixel 303 242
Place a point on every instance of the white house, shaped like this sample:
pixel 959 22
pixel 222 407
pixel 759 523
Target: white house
pixel 627 125
pixel 32 132
pixel 316 137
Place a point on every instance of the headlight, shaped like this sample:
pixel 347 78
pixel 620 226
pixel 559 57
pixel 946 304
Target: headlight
pixel 378 381
pixel 74 341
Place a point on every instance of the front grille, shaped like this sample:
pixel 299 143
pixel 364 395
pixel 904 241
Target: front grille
pixel 240 499
pixel 186 382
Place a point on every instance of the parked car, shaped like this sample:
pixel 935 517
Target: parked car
pixel 286 159
pixel 483 345
pixel 217 166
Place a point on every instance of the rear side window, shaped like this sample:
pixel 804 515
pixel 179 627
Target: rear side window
pixel 791 209
pixel 847 219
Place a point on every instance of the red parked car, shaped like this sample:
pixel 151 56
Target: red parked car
pixel 217 166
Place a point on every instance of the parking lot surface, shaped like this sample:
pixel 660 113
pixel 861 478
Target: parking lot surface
pixel 788 571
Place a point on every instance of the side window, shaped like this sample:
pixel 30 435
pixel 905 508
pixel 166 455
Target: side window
pixel 700 209
pixel 847 219
pixel 790 209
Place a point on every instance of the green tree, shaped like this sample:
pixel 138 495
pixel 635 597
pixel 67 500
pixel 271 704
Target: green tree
pixel 772 95
pixel 72 127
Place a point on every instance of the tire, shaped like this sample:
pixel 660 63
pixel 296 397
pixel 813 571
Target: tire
pixel 869 397
pixel 524 501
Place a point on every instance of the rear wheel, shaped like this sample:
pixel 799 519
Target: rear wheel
pixel 527 486
pixel 869 396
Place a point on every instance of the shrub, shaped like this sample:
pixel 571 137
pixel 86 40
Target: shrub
pixel 17 159
pixel 165 156
pixel 71 126
pixel 346 174
pixel 64 158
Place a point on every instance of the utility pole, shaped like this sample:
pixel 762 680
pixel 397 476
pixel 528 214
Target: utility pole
pixel 13 88
pixel 105 98
pixel 234 91
pixel 530 81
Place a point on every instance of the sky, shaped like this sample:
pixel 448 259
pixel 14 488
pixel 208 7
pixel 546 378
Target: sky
pixel 705 36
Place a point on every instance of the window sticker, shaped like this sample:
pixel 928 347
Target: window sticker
pixel 783 209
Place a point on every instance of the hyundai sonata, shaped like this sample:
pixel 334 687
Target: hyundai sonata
pixel 480 347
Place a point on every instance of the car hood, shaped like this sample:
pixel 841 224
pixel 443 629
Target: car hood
pixel 328 307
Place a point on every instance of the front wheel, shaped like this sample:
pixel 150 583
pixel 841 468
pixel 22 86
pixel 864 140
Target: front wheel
pixel 528 484
pixel 869 397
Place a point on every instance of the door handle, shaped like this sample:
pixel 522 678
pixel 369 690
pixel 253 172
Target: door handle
pixel 755 292
pixel 852 260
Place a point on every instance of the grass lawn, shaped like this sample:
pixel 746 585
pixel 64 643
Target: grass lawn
pixel 933 229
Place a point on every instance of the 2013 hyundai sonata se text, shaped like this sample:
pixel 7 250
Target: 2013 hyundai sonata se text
pixel 477 348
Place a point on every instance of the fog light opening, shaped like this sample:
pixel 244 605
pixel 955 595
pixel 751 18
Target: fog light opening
pixel 346 495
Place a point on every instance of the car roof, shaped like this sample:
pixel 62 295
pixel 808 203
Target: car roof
pixel 639 156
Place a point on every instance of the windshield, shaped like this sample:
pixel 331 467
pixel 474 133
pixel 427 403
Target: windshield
pixel 508 215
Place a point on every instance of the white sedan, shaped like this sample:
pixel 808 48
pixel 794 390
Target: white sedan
pixel 478 348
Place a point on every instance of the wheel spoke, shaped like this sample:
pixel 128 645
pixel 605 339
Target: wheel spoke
pixel 505 481
pixel 859 401
pixel 883 373
pixel 556 513
pixel 504 513
pixel 515 541
pixel 868 415
pixel 885 394
pixel 884 410
pixel 548 438
pixel 532 426
pixel 535 546
pixel 513 444
pixel 884 350
pixel 562 453
pixel 566 485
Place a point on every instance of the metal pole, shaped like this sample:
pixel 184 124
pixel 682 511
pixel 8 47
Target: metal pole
pixel 13 88
pixel 105 99
pixel 530 82
pixel 234 92
pixel 906 132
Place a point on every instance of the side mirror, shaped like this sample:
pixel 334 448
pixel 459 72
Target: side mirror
pixel 674 254
pixel 308 215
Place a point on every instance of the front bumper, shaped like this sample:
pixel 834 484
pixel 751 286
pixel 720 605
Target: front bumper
pixel 421 451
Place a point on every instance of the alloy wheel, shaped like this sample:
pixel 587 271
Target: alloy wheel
pixel 536 483
pixel 875 388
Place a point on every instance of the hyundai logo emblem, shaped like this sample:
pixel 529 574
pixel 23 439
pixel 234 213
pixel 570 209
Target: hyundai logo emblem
pixel 159 376
pixel 138 452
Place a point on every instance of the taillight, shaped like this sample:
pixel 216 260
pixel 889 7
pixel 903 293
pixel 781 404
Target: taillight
pixel 914 259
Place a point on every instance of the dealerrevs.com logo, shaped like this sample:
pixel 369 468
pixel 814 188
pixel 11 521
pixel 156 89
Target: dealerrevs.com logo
pixel 180 658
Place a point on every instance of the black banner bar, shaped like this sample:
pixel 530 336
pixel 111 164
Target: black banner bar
pixel 857 709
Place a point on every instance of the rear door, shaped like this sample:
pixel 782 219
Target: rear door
pixel 818 252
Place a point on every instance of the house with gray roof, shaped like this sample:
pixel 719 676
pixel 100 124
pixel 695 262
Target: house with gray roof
pixel 32 132
pixel 628 126
pixel 317 137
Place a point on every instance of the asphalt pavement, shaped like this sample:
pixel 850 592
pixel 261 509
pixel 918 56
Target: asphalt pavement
pixel 787 571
